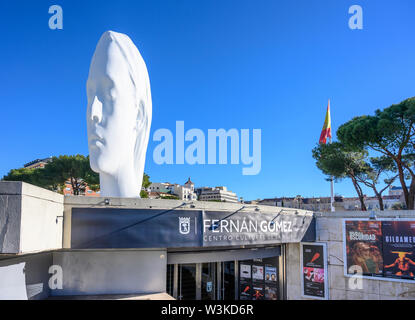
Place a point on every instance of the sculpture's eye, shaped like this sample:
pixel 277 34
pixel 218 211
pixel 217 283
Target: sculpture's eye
pixel 108 96
pixel 90 89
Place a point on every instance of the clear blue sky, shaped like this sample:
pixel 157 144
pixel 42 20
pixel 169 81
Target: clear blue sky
pixel 214 64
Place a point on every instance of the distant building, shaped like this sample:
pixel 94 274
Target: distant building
pixel 164 187
pixel 183 192
pixel 372 203
pixel 186 191
pixel 253 202
pixel 38 163
pixel 322 204
pixel 216 194
pixel 160 195
pixel 314 204
pixel 395 191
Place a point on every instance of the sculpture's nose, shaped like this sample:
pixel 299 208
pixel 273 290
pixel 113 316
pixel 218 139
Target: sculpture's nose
pixel 96 110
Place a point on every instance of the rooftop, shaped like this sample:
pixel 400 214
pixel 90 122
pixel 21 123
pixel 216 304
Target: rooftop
pixel 45 160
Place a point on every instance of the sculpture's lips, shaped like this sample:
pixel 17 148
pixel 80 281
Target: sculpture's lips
pixel 96 141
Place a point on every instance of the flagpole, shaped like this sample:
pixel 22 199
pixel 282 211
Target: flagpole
pixel 331 180
pixel 332 191
pixel 326 133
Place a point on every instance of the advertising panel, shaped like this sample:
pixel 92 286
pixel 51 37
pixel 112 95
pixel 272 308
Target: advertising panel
pixel 258 279
pixel 382 248
pixel 399 249
pixel 314 270
pixel 271 292
pixel 364 247
pixel 271 289
pixel 270 273
pixel 258 272
pixel 258 293
pixel 245 292
pixel 245 271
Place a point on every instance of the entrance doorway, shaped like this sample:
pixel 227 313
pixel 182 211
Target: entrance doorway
pixel 227 280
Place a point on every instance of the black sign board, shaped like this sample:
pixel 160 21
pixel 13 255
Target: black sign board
pixel 176 228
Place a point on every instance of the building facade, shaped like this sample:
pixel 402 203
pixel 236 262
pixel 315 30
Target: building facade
pixel 126 247
pixel 38 163
pixel 395 191
pixel 184 192
pixel 220 194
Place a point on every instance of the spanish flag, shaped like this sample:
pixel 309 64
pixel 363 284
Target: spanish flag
pixel 326 132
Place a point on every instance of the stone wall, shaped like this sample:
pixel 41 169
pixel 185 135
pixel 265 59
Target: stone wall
pixel 31 218
pixel 329 229
pixel 111 272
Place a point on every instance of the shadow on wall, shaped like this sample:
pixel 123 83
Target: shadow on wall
pixel 25 278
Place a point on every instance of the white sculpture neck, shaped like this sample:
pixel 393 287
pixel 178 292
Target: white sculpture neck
pixel 122 185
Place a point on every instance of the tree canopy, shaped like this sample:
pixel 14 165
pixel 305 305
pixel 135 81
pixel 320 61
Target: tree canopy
pixel 391 133
pixel 337 161
pixel 53 176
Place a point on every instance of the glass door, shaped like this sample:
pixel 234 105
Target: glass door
pixel 228 280
pixel 202 281
pixel 170 279
pixel 208 281
pixel 187 282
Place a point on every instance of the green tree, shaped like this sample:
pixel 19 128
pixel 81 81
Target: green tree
pixel 373 171
pixel 76 169
pixel 143 194
pixel 337 161
pixel 390 132
pixel 31 176
pixel 146 183
pixel 146 180
pixel 53 176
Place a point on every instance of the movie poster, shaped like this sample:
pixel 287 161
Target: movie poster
pixel 258 293
pixel 257 272
pixel 245 290
pixel 245 271
pixel 364 247
pixel 270 273
pixel 313 269
pixel 399 249
pixel 271 292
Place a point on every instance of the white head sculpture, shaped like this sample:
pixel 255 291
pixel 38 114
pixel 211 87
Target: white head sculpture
pixel 118 115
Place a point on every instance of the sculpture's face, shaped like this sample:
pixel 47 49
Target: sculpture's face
pixel 111 112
